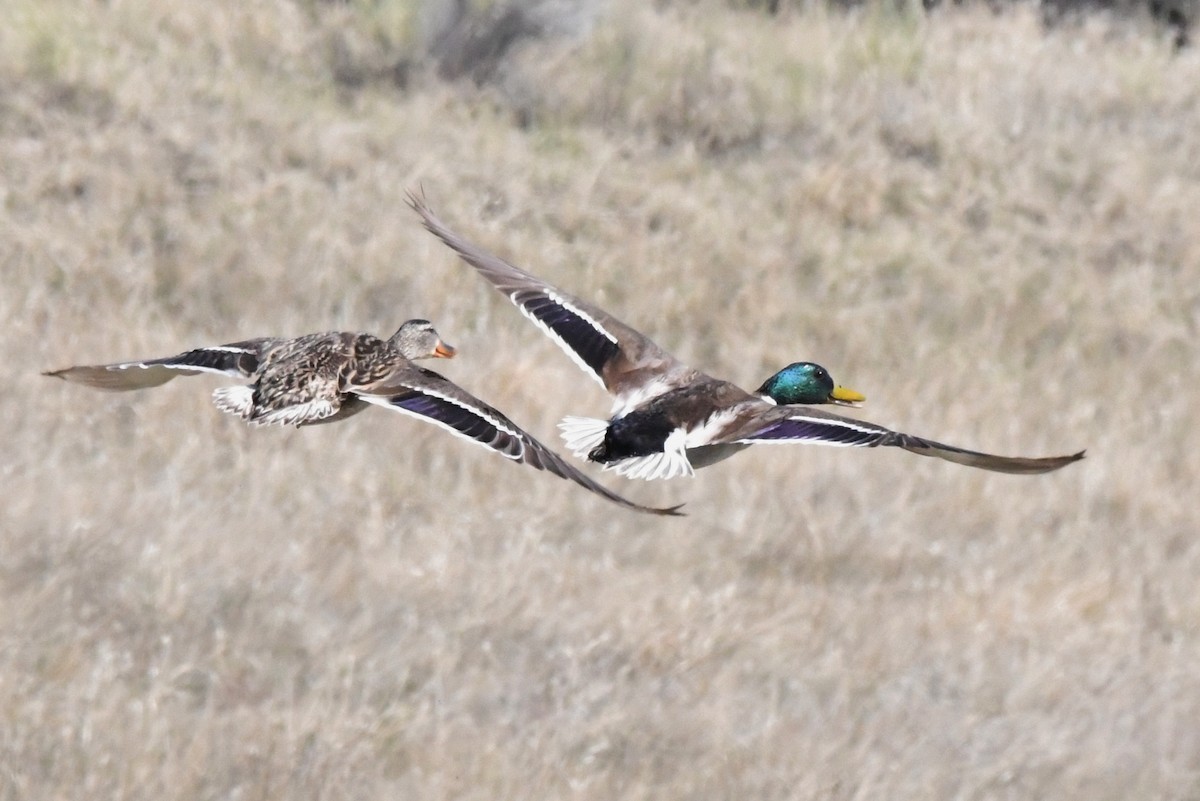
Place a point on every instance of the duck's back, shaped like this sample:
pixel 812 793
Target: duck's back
pixel 694 403
pixel 302 381
pixel 301 369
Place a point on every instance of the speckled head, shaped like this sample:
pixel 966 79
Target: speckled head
pixel 417 339
pixel 805 382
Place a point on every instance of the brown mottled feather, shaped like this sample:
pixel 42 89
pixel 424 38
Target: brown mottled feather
pixel 326 377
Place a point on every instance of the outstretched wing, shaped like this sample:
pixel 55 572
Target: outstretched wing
pixel 426 395
pixel 237 359
pixel 794 425
pixel 622 359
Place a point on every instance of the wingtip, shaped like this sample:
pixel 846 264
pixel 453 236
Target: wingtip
pixel 672 511
pixel 1071 459
pixel 416 199
pixel 660 511
pixel 1058 462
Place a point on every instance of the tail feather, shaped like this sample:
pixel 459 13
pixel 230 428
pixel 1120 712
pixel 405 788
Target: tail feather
pixel 297 414
pixel 237 400
pixel 582 435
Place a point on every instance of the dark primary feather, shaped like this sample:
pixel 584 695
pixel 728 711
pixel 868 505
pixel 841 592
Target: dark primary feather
pixel 1021 465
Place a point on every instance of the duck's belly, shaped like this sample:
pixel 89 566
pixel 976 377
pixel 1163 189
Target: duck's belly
pixel 350 406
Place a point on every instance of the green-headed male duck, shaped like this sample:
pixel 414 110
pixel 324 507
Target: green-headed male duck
pixel 669 418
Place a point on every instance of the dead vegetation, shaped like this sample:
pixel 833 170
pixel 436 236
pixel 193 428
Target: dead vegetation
pixel 987 226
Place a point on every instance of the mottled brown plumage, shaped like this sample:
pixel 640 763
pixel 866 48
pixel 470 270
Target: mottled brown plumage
pixel 327 377
pixel 297 381
pixel 311 379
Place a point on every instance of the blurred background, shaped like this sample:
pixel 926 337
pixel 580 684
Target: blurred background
pixel 982 217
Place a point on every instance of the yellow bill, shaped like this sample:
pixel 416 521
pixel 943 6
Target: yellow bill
pixel 846 397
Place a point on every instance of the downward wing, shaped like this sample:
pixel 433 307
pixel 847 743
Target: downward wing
pixel 601 345
pixel 238 359
pixel 426 395
pixel 796 425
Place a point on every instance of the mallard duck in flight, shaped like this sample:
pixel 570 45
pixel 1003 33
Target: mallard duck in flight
pixel 326 377
pixel 669 418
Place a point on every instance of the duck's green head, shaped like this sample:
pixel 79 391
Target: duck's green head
pixel 805 382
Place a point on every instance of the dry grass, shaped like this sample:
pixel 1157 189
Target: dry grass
pixel 989 229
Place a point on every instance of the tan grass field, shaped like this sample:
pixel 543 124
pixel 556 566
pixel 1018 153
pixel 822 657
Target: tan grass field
pixel 990 229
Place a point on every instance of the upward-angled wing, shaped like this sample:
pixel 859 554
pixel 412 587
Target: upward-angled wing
pixel 622 359
pixel 797 424
pixel 237 359
pixel 424 394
